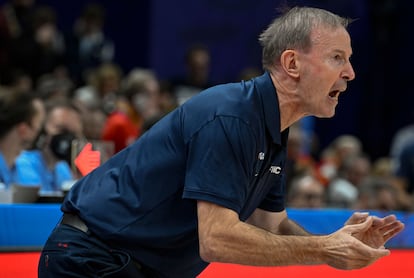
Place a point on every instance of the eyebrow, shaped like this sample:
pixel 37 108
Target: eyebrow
pixel 342 52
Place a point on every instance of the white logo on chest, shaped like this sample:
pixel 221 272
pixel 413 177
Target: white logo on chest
pixel 275 170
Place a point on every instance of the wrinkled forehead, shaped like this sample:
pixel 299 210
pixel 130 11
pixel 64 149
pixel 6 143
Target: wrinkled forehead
pixel 327 38
pixel 321 32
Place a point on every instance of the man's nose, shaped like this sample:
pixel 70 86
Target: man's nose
pixel 348 74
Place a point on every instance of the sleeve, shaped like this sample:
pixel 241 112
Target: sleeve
pixel 220 163
pixel 275 199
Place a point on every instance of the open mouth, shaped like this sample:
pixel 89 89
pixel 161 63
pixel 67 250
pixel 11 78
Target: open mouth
pixel 334 94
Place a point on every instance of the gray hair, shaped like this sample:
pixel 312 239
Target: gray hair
pixel 292 31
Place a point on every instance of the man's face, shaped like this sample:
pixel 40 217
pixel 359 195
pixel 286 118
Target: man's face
pixel 35 125
pixel 64 119
pixel 325 70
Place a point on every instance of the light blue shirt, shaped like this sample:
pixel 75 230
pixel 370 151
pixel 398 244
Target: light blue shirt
pixel 7 174
pixel 32 170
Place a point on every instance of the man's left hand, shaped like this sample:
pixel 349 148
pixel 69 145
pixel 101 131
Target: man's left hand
pixel 381 230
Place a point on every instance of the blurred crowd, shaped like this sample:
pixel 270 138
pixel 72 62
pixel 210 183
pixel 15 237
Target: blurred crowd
pixel 86 95
pixel 342 175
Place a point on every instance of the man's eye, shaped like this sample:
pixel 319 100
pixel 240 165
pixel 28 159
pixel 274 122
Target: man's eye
pixel 339 58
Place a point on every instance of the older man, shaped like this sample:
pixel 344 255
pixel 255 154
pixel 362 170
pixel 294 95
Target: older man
pixel 206 183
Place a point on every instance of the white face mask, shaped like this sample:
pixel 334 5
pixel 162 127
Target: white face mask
pixel 140 102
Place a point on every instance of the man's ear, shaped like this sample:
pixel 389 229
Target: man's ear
pixel 289 62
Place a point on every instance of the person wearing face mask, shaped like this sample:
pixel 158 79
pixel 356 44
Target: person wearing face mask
pixel 138 106
pixel 21 117
pixel 48 163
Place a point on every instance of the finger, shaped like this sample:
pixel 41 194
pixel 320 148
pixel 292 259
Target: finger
pixel 361 227
pixel 391 226
pixel 381 252
pixel 397 228
pixel 377 222
pixel 385 220
pixel 356 218
pixel 390 218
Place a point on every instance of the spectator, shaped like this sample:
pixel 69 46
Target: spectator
pixel 54 86
pixel 102 88
pixel 383 168
pixel 343 190
pixel 94 119
pixel 49 164
pixel 298 163
pixel 333 156
pixel 139 107
pixel 88 46
pixel 306 192
pixel 402 137
pixel 377 194
pixel 168 102
pixel 197 71
pixel 21 118
pixel 43 51
pixel 404 176
pixel 16 22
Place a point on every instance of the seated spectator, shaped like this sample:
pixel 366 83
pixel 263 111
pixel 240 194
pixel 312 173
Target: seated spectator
pixel 21 118
pixel 377 194
pixel 48 164
pixel 343 190
pixel 333 156
pixel 137 110
pixel 55 85
pixel 402 137
pixel 383 167
pixel 196 76
pixel 94 119
pixel 306 192
pixel 404 176
pixel 298 162
pixel 102 89
pixel 168 102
